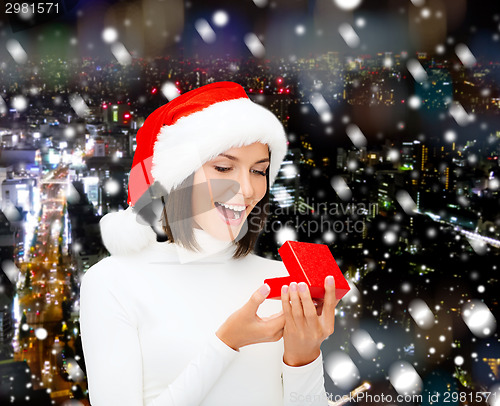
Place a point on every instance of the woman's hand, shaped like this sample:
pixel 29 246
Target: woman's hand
pixel 306 326
pixel 244 327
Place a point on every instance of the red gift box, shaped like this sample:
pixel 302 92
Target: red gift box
pixel 309 263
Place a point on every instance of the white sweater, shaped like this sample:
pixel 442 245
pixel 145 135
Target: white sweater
pixel 148 323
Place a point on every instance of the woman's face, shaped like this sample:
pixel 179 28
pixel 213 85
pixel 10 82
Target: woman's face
pixel 227 188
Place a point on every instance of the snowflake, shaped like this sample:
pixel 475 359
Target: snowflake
pixel 348 34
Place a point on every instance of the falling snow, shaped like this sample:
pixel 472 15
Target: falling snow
pixel 406 201
pixel 285 234
pixel 356 135
pixel 341 188
pixel 121 53
pixel 41 333
pixel 421 313
pixel 416 70
pixel 364 344
pixel 110 35
pixel 321 106
pixel 350 36
pixel 347 4
pixel 170 91
pixel 220 18
pixel 341 369
pixel 254 45
pixel 461 116
pixel 78 105
pixel 465 55
pixel 20 103
pixel 421 278
pixel 479 318
pixel 404 378
pixel 16 51
pixel 414 102
pixel 205 30
pixel 260 3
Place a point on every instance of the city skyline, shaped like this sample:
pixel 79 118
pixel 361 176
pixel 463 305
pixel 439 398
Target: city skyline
pixel 393 157
pixel 349 197
pixel 149 29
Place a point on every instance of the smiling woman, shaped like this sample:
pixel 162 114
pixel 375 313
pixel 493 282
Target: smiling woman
pixel 185 321
pixel 211 199
pixel 246 166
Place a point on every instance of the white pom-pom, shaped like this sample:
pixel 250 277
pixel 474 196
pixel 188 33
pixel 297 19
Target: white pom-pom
pixel 122 234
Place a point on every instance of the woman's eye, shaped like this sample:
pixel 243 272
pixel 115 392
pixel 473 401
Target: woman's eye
pixel 263 173
pixel 221 169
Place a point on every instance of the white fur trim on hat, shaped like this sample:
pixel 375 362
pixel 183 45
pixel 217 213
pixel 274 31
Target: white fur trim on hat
pixel 122 234
pixel 182 148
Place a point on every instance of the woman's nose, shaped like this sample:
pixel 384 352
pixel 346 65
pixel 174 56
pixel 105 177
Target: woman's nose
pixel 246 185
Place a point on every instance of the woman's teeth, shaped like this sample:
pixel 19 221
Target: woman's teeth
pixel 236 210
pixel 230 206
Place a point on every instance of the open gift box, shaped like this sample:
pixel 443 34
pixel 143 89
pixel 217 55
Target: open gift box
pixel 309 263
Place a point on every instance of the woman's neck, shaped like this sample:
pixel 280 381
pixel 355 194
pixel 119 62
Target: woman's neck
pixel 209 247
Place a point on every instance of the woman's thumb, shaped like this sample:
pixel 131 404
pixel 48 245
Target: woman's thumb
pixel 260 295
pixel 264 290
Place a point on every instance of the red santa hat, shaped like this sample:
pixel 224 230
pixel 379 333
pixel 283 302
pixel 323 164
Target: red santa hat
pixel 178 138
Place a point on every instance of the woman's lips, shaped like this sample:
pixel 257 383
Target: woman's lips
pixel 221 210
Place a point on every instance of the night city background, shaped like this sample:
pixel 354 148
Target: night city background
pixel 392 111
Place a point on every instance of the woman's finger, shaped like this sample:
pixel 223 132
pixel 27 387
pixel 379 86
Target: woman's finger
pixel 275 324
pixel 330 302
pixel 274 316
pixel 307 304
pixel 287 307
pixel 297 312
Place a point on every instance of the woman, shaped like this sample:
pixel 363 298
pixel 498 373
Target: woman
pixel 185 322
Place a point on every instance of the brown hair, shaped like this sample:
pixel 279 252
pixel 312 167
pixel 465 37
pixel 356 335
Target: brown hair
pixel 179 207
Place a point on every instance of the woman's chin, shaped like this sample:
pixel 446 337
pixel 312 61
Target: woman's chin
pixel 215 225
pixel 225 232
pixel 228 234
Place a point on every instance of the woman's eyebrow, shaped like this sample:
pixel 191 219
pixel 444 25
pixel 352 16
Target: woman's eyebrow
pixel 233 158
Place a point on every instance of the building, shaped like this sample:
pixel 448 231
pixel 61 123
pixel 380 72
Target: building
pixel 26 160
pixel 6 320
pixel 117 115
pixel 19 192
pixel 389 182
pixel 288 187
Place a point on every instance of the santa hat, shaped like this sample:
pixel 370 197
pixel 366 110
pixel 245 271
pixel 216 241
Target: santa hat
pixel 177 139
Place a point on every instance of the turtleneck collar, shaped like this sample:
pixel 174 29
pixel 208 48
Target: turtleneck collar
pixel 210 248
